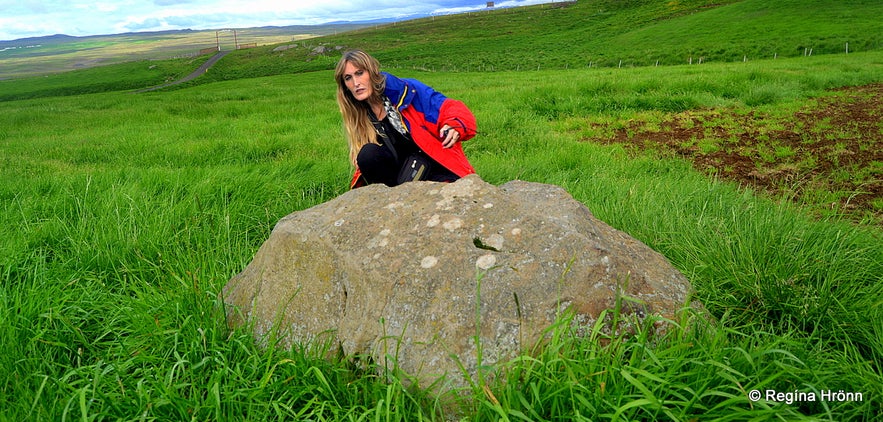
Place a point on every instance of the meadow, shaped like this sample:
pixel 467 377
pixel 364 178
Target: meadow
pixel 122 215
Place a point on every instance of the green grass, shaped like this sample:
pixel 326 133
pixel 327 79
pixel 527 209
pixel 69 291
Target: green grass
pixel 122 216
pixel 130 75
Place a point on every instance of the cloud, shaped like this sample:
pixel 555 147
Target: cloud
pixel 164 3
pixel 149 24
pixel 11 26
pixel 30 18
pixel 32 6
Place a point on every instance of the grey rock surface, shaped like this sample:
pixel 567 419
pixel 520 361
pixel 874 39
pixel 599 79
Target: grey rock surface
pixel 394 274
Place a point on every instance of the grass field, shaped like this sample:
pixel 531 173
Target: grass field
pixel 122 215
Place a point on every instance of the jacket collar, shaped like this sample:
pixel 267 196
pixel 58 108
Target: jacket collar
pixel 397 91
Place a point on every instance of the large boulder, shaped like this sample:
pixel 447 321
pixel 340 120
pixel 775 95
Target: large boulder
pixel 414 276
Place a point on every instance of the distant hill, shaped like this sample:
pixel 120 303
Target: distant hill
pixel 57 53
pixel 36 40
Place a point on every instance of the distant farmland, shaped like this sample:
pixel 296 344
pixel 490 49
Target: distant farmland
pixel 60 53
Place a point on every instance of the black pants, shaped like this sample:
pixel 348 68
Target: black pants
pixel 378 165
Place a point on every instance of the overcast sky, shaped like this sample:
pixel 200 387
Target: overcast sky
pixel 34 18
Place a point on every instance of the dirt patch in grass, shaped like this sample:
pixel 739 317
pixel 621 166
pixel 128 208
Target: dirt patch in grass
pixel 828 156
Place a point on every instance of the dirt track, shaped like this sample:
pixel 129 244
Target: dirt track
pixel 834 145
pixel 193 75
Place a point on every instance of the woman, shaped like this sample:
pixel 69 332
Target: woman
pixel 399 129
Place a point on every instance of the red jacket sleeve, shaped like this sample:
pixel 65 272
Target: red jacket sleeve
pixel 455 114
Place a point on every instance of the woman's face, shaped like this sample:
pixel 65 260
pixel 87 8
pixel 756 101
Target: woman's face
pixel 358 81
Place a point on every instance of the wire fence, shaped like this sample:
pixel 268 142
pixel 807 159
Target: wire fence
pixel 604 63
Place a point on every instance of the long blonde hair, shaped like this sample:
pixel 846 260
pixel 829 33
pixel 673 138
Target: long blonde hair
pixel 359 130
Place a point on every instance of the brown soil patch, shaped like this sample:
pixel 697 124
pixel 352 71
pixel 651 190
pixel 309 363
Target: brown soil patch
pixel 827 156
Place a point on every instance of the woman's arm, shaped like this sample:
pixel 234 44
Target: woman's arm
pixel 456 116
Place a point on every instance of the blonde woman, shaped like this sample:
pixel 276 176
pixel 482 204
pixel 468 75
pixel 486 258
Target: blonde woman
pixel 399 130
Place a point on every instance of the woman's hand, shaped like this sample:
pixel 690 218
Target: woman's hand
pixel 449 136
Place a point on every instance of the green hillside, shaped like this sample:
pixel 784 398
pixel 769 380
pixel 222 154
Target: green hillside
pixel 598 33
pixel 601 33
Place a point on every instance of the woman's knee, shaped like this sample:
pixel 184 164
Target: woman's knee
pixel 377 164
pixel 370 155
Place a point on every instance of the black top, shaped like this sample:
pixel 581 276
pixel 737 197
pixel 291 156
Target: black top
pixel 401 145
pixel 404 145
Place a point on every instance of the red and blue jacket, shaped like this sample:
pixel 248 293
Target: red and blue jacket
pixel 425 111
